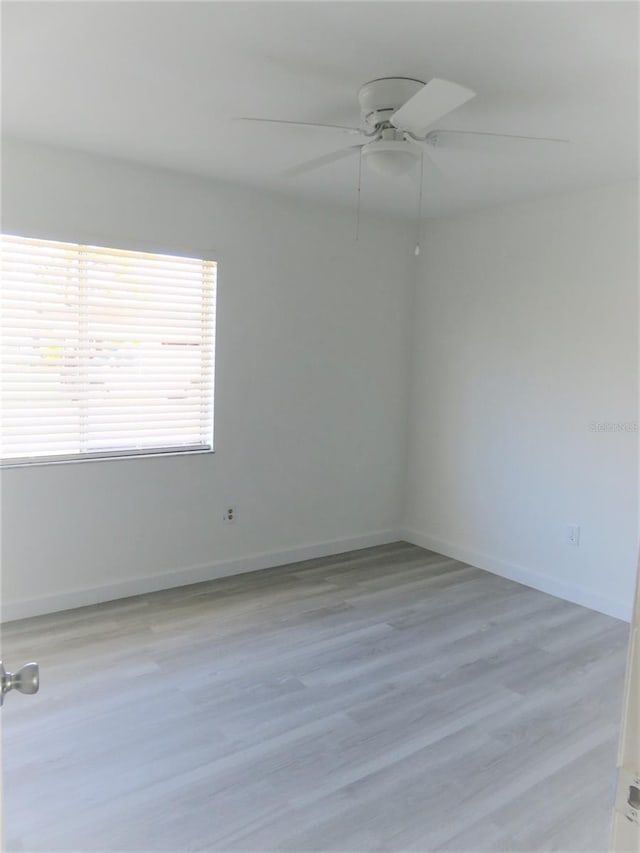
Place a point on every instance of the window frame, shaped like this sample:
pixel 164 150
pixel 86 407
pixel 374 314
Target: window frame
pixel 81 238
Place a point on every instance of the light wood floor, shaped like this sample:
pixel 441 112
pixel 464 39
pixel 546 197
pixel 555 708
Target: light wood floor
pixel 387 699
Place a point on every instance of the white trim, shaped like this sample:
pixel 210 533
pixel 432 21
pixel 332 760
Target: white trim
pixel 190 574
pixel 106 456
pixel 529 577
pixel 25 608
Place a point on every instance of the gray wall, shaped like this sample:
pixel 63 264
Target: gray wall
pixel 311 395
pixel 526 334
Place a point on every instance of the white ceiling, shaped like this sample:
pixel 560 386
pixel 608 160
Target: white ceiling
pixel 159 83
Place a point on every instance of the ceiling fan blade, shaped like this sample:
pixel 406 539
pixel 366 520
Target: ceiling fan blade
pixel 316 163
pixel 476 139
pixel 310 124
pixel 434 100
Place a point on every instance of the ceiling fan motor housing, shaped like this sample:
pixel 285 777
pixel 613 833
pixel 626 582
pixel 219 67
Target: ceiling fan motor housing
pixel 379 99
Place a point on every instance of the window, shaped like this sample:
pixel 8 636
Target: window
pixel 105 352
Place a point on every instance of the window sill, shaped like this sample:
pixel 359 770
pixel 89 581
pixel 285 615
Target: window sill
pixel 105 457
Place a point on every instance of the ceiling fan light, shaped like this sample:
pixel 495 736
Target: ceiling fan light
pixel 390 157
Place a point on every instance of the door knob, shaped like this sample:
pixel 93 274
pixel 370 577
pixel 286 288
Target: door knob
pixel 25 680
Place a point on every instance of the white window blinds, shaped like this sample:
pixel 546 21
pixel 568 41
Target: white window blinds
pixel 105 352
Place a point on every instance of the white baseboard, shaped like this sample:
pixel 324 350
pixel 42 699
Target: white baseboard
pixel 223 568
pixel 191 574
pixel 586 597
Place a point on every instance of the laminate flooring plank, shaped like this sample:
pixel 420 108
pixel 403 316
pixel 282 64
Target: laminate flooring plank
pixel 388 699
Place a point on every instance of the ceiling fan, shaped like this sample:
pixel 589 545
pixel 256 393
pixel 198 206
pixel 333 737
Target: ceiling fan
pixel 398 115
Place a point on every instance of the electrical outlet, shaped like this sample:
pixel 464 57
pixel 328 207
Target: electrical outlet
pixel 573 534
pixel 230 514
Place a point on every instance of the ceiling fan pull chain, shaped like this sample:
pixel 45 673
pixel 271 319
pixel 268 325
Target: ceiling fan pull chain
pixel 358 196
pixel 416 251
